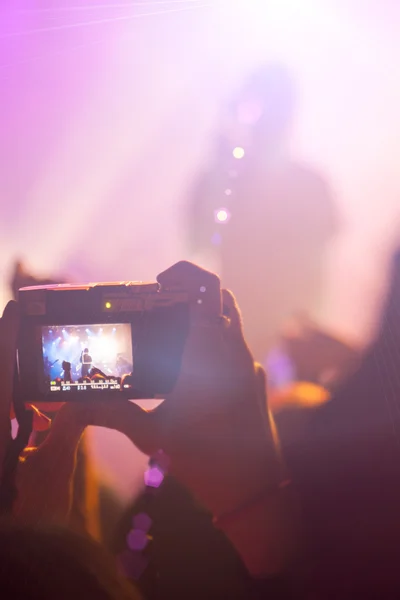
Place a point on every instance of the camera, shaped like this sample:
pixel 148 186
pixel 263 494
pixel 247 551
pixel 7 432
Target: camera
pixel 114 340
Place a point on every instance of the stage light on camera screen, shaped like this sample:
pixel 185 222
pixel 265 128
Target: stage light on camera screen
pixel 87 357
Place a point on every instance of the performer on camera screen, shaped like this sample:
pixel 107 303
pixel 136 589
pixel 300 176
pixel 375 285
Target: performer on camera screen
pixel 86 361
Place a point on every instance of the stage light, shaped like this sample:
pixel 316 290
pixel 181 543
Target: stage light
pixel 63 331
pixel 257 21
pixel 222 215
pixel 50 331
pixel 103 349
pixel 238 152
pixel 108 305
pixel 100 330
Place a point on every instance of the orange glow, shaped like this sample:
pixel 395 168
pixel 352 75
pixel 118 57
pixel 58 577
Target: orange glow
pixel 299 395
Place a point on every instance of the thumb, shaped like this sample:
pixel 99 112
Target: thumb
pixel 143 427
pixel 66 430
pixel 45 476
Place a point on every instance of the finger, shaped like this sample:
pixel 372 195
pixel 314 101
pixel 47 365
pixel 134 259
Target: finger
pixel 41 407
pixel 49 407
pixel 261 383
pixel 65 433
pixel 40 421
pixel 180 273
pixel 231 310
pixel 45 477
pixel 266 413
pixel 203 287
pixel 233 333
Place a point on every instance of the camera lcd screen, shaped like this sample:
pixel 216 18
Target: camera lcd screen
pixel 87 357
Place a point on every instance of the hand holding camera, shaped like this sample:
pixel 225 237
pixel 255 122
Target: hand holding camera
pixel 43 475
pixel 213 424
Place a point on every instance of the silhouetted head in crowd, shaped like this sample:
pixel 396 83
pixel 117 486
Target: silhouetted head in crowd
pixel 21 278
pixel 261 111
pixel 56 564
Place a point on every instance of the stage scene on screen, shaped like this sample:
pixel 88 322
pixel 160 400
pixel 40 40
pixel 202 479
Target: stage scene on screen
pixel 87 356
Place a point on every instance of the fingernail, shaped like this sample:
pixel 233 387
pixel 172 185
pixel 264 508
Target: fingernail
pixel 226 311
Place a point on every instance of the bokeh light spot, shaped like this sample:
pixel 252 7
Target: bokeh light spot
pixel 132 564
pixel 222 215
pixel 137 539
pixel 238 152
pixel 153 477
pixel 142 522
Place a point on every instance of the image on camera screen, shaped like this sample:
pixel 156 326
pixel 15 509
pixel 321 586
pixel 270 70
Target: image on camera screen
pixel 87 357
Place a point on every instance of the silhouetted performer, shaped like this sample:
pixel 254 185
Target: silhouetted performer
pixel 86 361
pixel 278 215
pixel 67 367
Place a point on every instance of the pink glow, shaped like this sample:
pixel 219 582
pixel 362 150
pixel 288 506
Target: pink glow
pixel 103 125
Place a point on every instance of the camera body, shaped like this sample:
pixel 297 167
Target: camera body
pixel 100 340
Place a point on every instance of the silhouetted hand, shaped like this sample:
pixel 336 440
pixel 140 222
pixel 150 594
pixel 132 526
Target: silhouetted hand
pixel 214 427
pixel 44 475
